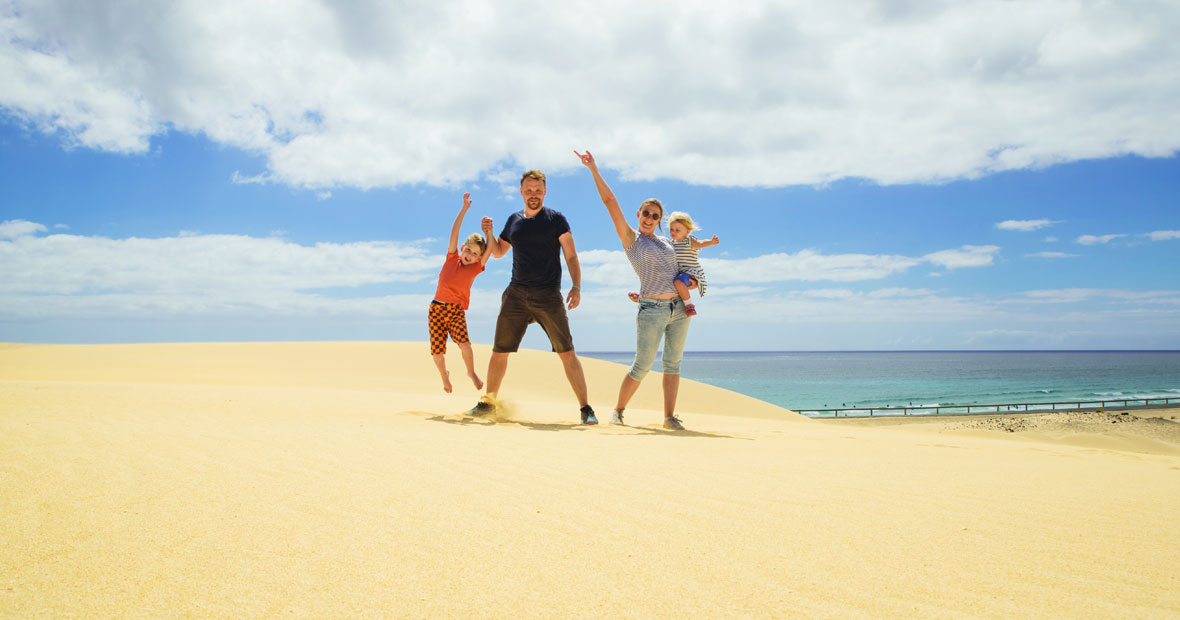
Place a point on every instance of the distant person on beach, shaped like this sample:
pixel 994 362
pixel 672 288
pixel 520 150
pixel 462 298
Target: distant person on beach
pixel 447 315
pixel 687 247
pixel 538 236
pixel 661 310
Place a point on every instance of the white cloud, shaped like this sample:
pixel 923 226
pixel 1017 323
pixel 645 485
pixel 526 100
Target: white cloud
pixel 1076 295
pixel 1024 225
pixel 217 269
pixel 843 306
pixel 11 229
pixel 850 318
pixel 807 266
pixel 611 266
pixel 1001 333
pixel 171 307
pixel 237 178
pixel 896 293
pixel 966 256
pixel 1164 235
pixel 200 275
pixel 223 286
pixel 1097 239
pixel 371 94
pixel 1051 255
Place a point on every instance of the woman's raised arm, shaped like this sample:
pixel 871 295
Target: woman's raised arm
pixel 624 230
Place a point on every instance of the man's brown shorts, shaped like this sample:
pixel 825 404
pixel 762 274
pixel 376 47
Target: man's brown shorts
pixel 521 305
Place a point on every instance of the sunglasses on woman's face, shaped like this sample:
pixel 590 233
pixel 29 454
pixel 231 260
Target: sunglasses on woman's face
pixel 652 216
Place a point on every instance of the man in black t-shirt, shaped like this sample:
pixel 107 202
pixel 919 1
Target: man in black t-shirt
pixel 536 236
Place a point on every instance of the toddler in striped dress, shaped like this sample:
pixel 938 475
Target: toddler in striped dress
pixel 687 246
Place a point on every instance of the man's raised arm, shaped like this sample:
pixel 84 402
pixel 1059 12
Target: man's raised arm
pixel 498 246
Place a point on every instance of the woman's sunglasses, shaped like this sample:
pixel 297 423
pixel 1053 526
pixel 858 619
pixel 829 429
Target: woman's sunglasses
pixel 652 216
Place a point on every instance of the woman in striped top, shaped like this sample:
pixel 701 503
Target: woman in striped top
pixel 661 311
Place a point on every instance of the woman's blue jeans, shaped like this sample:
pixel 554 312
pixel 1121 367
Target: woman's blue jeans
pixel 659 319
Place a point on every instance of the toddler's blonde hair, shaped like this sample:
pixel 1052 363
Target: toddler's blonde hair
pixel 683 218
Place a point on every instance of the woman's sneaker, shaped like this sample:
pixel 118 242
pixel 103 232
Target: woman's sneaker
pixel 673 423
pixel 588 416
pixel 690 309
pixel 616 417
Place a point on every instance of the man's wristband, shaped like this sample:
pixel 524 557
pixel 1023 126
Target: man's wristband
pixel 577 287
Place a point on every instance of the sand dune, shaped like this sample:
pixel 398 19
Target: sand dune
pixel 336 480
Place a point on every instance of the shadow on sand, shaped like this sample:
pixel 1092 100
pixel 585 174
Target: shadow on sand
pixel 467 420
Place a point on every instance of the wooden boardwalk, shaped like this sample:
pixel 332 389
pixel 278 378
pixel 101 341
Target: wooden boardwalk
pixel 1001 408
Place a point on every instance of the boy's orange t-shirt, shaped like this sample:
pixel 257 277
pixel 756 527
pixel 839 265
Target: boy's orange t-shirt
pixel 454 280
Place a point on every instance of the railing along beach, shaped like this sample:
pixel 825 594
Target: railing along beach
pixel 1002 408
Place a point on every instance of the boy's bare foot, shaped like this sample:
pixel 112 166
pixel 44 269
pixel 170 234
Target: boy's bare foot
pixel 447 382
pixel 476 380
pixel 633 297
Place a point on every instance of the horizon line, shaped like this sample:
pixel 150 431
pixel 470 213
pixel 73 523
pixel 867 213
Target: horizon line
pixel 610 352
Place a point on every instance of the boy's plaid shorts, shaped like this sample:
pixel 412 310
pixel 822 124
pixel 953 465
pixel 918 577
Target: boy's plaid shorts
pixel 446 319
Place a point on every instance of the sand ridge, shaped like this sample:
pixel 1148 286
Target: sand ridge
pixel 316 480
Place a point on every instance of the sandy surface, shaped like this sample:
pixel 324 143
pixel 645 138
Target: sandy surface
pixel 336 480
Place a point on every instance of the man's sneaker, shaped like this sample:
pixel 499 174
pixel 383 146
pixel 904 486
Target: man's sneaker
pixel 588 416
pixel 482 408
pixel 673 423
pixel 690 309
pixel 616 417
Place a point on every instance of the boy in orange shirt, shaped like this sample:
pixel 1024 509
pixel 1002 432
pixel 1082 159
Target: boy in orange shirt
pixel 447 310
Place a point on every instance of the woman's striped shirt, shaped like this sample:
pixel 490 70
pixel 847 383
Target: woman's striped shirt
pixel 654 261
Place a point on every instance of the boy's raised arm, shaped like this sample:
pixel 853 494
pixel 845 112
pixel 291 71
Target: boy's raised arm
pixel 454 246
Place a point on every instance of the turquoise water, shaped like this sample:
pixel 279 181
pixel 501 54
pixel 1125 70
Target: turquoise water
pixel 824 380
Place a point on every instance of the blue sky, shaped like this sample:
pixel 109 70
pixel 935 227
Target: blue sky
pixel 882 175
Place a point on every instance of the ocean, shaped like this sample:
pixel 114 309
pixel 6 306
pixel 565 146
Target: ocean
pixel 826 380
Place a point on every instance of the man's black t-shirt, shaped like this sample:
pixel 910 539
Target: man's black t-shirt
pixel 536 252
